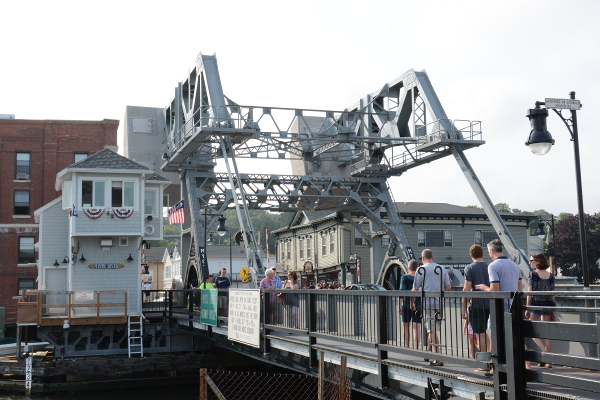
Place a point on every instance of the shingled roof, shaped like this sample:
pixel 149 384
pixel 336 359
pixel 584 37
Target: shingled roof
pixel 156 177
pixel 407 209
pixel 107 159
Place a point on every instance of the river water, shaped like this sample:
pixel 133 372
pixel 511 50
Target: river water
pixel 186 392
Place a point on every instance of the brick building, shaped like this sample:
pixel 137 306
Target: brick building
pixel 32 152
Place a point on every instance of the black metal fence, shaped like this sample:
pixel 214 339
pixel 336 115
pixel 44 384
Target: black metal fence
pixel 372 319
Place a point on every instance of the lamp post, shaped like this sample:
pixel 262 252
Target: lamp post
pixel 221 230
pixel 541 233
pixel 230 260
pixel 540 142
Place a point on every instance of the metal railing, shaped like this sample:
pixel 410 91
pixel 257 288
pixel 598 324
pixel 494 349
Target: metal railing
pixel 371 319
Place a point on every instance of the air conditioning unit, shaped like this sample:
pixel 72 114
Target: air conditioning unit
pixel 23 176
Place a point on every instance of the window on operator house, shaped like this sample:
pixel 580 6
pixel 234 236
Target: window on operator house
pixel 121 194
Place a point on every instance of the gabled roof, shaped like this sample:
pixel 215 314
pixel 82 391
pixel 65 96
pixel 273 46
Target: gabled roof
pixel 302 218
pixel 107 159
pixel 220 251
pixel 154 253
pixel 406 209
pixel 156 177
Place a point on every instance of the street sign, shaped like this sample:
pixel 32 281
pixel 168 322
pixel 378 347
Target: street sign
pixel 208 306
pixel 244 280
pixel 244 272
pixel 568 104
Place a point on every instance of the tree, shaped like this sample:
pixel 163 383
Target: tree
pixel 502 207
pixel 568 247
pixel 261 220
pixel 564 215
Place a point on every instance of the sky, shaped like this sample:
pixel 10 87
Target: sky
pixel 487 61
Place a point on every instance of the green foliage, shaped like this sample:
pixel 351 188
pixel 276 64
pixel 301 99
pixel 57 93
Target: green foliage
pixel 171 229
pixel 568 247
pixel 564 215
pixel 502 207
pixel 261 220
pixel 473 206
pixel 165 243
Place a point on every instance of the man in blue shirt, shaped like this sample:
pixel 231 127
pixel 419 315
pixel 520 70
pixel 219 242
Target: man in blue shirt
pixel 479 310
pixel 277 279
pixel 223 282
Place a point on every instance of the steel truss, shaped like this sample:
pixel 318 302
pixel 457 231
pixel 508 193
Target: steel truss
pixel 347 157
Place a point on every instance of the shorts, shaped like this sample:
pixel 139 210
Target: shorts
pixel 470 331
pixel 478 318
pixel 433 325
pixel 539 313
pixel 409 315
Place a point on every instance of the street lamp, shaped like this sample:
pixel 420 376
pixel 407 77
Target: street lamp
pixel 541 233
pixel 540 142
pixel 221 231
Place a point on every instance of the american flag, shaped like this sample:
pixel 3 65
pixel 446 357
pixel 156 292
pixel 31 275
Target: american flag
pixel 177 214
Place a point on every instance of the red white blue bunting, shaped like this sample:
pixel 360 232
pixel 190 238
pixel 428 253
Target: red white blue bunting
pixel 123 213
pixel 93 213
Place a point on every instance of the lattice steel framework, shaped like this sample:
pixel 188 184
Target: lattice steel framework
pixel 342 159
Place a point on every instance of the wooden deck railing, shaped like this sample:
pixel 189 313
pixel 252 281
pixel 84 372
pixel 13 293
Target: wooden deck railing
pixel 52 308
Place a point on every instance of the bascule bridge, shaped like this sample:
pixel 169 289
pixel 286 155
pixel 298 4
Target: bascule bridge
pixel 341 159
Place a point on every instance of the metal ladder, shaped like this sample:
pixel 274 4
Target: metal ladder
pixel 135 333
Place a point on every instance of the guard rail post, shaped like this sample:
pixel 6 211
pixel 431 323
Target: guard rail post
pixel 498 345
pixel 311 323
pixel 2 321
pixel 515 344
pixel 382 339
pixel 266 300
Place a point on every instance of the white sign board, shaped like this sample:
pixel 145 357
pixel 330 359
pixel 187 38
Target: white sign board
pixel 84 295
pixel 569 104
pixel 244 316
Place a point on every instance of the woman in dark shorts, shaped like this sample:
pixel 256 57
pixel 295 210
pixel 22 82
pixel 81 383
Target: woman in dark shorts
pixel 541 280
